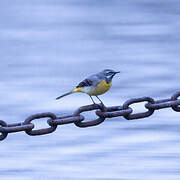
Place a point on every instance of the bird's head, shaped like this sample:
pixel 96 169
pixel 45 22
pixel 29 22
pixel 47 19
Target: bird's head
pixel 109 74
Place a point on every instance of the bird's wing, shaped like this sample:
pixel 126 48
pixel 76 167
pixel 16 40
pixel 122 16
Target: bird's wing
pixel 90 81
pixel 85 82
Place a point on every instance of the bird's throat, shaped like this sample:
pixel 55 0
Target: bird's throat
pixel 109 79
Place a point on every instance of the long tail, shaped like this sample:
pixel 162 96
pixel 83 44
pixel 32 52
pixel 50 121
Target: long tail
pixel 70 92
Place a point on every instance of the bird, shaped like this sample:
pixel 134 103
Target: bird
pixel 95 84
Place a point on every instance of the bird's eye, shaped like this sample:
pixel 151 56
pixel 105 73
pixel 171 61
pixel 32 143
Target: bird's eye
pixel 108 73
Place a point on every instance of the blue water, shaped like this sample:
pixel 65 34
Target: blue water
pixel 48 47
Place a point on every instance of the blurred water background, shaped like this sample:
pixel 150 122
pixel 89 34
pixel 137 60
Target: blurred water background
pixel 48 46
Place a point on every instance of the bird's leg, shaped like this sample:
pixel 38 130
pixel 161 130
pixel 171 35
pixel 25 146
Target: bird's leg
pixel 103 106
pixel 92 99
pixel 100 101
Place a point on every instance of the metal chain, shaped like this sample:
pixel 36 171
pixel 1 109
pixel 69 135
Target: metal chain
pixel 101 111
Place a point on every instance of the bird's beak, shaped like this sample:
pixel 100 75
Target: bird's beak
pixel 117 72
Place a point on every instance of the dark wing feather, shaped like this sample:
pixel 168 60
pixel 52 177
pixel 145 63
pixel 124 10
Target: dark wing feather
pixel 86 82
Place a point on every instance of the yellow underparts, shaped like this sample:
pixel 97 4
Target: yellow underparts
pixel 101 88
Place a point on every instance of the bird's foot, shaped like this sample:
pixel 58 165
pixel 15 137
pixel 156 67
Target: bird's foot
pixel 104 108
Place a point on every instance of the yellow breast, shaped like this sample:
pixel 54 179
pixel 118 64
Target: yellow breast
pixel 101 88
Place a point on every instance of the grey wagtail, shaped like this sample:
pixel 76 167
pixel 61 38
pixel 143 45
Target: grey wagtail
pixel 95 84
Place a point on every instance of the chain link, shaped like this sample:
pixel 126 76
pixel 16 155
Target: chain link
pixel 131 116
pixel 42 131
pixel 101 111
pixel 89 108
pixel 65 120
pixel 3 133
pixel 114 111
pixel 174 98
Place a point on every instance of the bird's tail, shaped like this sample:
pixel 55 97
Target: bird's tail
pixel 70 92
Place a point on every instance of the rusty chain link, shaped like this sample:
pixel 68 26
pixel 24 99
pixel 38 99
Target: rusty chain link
pixel 101 111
